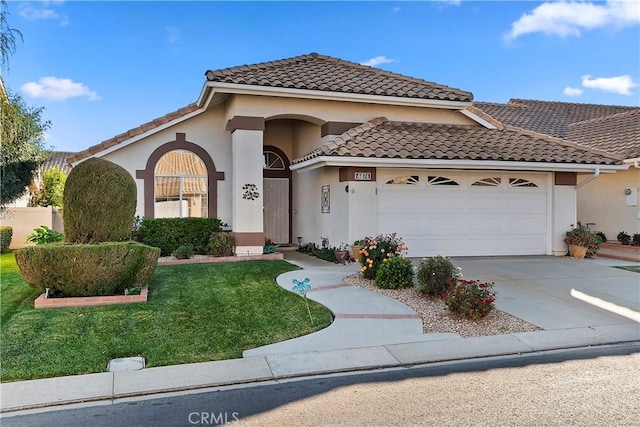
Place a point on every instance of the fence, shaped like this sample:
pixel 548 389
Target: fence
pixel 24 220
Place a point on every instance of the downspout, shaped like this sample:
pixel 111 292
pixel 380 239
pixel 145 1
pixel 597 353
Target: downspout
pixel 596 173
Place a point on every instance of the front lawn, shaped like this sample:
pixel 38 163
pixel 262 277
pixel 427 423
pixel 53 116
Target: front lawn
pixel 195 313
pixel 635 268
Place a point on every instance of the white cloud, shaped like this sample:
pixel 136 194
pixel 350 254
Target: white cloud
pixel 571 18
pixel 173 34
pixel 56 89
pixel 43 12
pixel 572 91
pixel 619 84
pixel 377 61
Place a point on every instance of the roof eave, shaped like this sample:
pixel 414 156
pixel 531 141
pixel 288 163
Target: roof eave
pixel 243 89
pixel 94 150
pixel 321 161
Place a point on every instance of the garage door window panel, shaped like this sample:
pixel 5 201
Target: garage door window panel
pixel 441 180
pixel 404 179
pixel 521 182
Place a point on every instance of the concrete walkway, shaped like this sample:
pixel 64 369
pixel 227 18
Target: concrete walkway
pixel 579 303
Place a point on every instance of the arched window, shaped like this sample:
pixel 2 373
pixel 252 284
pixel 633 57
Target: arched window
pixel 180 181
pixel 273 161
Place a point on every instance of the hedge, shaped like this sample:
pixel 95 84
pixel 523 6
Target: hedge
pixel 170 233
pixel 87 270
pixel 6 233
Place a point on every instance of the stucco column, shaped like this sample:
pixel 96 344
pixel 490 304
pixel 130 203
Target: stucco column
pixel 247 186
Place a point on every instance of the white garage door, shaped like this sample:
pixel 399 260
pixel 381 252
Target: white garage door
pixel 465 214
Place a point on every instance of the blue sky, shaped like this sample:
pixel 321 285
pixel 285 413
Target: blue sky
pixel 101 68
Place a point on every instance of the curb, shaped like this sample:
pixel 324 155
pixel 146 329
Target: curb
pixel 109 386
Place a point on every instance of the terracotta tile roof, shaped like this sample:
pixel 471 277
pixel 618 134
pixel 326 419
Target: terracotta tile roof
pixel 550 118
pixel 133 132
pixel 380 138
pixel 325 73
pixel 617 133
pixel 57 159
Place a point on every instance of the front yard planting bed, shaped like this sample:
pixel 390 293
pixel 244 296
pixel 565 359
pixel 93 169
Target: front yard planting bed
pixel 194 313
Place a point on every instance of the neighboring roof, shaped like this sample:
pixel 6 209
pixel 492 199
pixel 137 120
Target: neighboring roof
pixel 133 132
pixel 325 73
pixel 380 138
pixel 618 133
pixel 550 118
pixel 57 159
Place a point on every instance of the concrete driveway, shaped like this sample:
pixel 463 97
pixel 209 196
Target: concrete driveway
pixel 560 292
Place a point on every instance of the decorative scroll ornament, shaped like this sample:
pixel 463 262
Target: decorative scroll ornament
pixel 250 192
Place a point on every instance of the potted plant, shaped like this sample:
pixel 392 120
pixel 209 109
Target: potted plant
pixel 342 253
pixel 582 242
pixel 356 248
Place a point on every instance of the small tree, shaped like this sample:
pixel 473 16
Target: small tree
pixel 8 36
pixel 52 188
pixel 22 135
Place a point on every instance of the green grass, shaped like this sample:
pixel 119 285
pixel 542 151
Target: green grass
pixel 195 313
pixel 635 268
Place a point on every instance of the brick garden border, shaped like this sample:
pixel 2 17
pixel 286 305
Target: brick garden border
pixel 42 302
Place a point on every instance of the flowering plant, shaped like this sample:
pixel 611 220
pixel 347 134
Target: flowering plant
pixel 436 274
pixel 377 250
pixel 470 298
pixel 342 248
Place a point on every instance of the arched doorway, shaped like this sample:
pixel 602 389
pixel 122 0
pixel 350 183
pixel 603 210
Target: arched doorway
pixel 277 195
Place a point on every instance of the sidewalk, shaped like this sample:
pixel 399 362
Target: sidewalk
pixel 370 331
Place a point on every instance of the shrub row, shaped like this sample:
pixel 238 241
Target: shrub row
pixel 170 233
pixel 6 233
pixel 327 254
pixel 437 277
pixel 626 239
pixel 87 270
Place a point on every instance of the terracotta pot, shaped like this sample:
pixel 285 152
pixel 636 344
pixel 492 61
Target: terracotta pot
pixel 576 251
pixel 341 256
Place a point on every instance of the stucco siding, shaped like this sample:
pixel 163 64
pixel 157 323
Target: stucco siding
pixel 339 111
pixel 603 202
pixel 308 220
pixel 206 130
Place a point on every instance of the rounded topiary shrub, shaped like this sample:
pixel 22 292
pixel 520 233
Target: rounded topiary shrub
pixel 87 270
pixel 434 275
pixel 99 203
pixel 395 273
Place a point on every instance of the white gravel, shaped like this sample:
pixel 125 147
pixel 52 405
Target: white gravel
pixel 437 318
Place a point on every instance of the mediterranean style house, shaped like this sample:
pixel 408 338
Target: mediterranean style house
pixel 313 147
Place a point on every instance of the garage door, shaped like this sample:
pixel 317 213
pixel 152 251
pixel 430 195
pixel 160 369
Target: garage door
pixel 464 214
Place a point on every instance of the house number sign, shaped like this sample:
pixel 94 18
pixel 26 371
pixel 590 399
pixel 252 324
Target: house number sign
pixel 363 176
